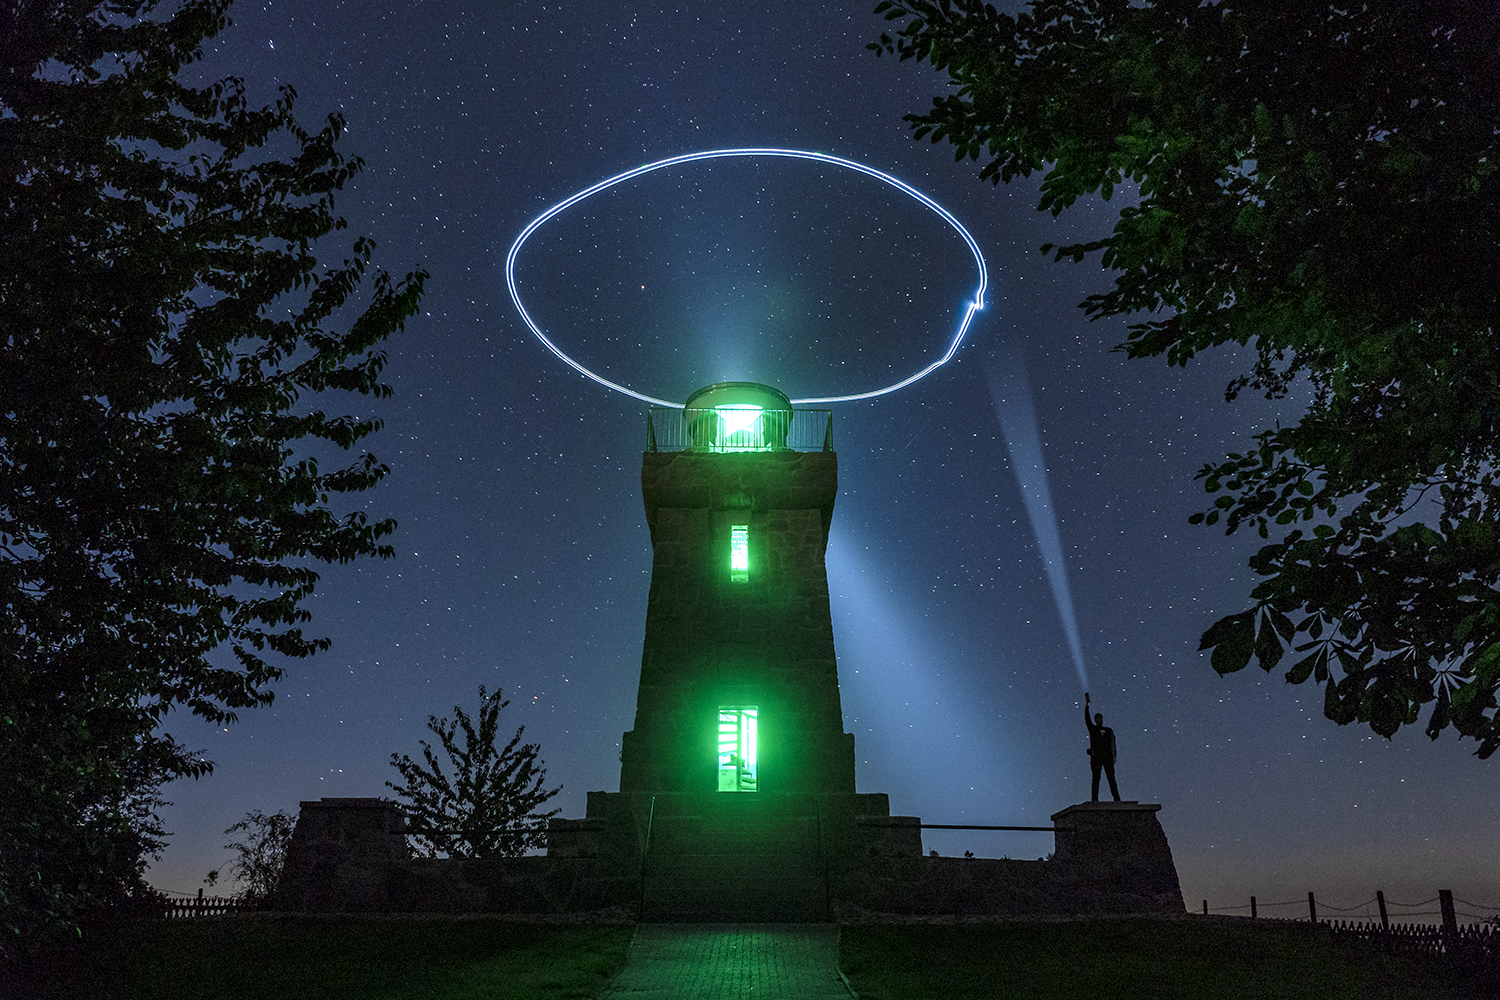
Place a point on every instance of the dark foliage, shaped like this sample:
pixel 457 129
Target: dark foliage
pixel 165 332
pixel 489 805
pixel 260 857
pixel 1318 182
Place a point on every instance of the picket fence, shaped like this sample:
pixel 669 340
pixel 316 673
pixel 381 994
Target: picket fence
pixel 1473 942
pixel 1478 941
pixel 172 908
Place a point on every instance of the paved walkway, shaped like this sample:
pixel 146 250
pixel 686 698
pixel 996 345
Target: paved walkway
pixel 731 962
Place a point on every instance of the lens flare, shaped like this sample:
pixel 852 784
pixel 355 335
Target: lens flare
pixel 971 306
pixel 1010 389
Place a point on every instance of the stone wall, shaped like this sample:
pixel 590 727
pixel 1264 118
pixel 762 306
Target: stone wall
pixel 349 855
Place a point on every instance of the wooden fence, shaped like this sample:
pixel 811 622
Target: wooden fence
pixel 1447 910
pixel 1479 941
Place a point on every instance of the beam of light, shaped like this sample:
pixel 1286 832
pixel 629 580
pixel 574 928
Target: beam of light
pixel 1010 390
pixel 907 702
pixel 971 307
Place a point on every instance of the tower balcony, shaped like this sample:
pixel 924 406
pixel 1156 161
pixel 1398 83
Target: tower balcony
pixel 732 417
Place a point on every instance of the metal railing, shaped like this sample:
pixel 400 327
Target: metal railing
pixel 646 853
pixel 967 826
pixel 668 429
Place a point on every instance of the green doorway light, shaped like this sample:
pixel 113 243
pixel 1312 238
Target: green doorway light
pixel 737 736
pixel 739 553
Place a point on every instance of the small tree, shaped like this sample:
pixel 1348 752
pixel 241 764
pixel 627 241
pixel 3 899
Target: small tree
pixel 489 807
pixel 261 856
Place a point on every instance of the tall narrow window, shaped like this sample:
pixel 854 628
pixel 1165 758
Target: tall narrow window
pixel 739 553
pixel 737 733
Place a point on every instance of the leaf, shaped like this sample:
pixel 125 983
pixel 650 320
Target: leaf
pixel 1282 623
pixel 1486 666
pixel 1336 707
pixel 1268 647
pixel 1232 640
pixel 1303 668
pixel 1440 713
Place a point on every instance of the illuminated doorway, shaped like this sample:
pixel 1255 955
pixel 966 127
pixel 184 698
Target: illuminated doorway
pixel 737 733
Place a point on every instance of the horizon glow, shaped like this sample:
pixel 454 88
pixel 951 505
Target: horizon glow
pixel 971 306
pixel 1010 390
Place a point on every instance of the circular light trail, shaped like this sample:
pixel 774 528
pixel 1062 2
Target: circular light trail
pixel 970 307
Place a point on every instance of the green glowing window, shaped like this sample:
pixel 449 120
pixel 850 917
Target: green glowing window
pixel 737 730
pixel 739 553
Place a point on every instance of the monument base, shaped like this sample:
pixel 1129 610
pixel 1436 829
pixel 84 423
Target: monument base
pixel 721 857
pixel 749 857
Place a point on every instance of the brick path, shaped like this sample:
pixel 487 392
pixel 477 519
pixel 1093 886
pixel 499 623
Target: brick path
pixel 731 962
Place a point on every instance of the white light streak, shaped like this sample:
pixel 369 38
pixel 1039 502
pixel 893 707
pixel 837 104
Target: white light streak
pixel 971 306
pixel 1010 388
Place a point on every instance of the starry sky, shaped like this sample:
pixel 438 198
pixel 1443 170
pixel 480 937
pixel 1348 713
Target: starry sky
pixel 523 558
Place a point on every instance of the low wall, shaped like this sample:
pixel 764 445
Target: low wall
pixel 992 887
pixel 351 856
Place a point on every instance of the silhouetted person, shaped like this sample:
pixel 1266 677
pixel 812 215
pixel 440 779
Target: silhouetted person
pixel 1101 751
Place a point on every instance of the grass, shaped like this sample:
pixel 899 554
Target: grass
pixel 1127 959
pixel 263 956
pixel 291 957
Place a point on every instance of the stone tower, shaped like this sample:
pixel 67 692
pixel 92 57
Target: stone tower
pixel 736 795
pixel 739 685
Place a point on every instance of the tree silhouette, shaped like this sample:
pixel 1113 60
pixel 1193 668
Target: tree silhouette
pixel 168 338
pixel 1319 182
pixel 489 805
pixel 260 856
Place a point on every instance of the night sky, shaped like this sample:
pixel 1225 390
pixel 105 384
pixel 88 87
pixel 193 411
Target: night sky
pixel 523 558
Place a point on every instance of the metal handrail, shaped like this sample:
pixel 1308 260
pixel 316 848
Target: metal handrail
pixel 961 826
pixel 646 852
pixel 806 430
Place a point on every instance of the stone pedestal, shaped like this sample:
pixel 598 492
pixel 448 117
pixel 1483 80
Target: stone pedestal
pixel 344 857
pixel 1115 855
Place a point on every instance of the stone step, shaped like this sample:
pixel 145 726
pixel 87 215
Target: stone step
pixel 771 868
pixel 799 912
pixel 700 888
pixel 695 835
pixel 731 860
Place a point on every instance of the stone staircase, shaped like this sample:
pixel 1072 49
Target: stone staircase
pixel 735 859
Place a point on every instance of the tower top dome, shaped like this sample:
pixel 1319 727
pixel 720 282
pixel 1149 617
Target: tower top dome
pixel 738 416
pixel 738 394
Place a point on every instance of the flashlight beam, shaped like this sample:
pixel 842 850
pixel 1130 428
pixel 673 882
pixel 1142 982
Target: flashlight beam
pixel 1011 390
pixel 971 307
